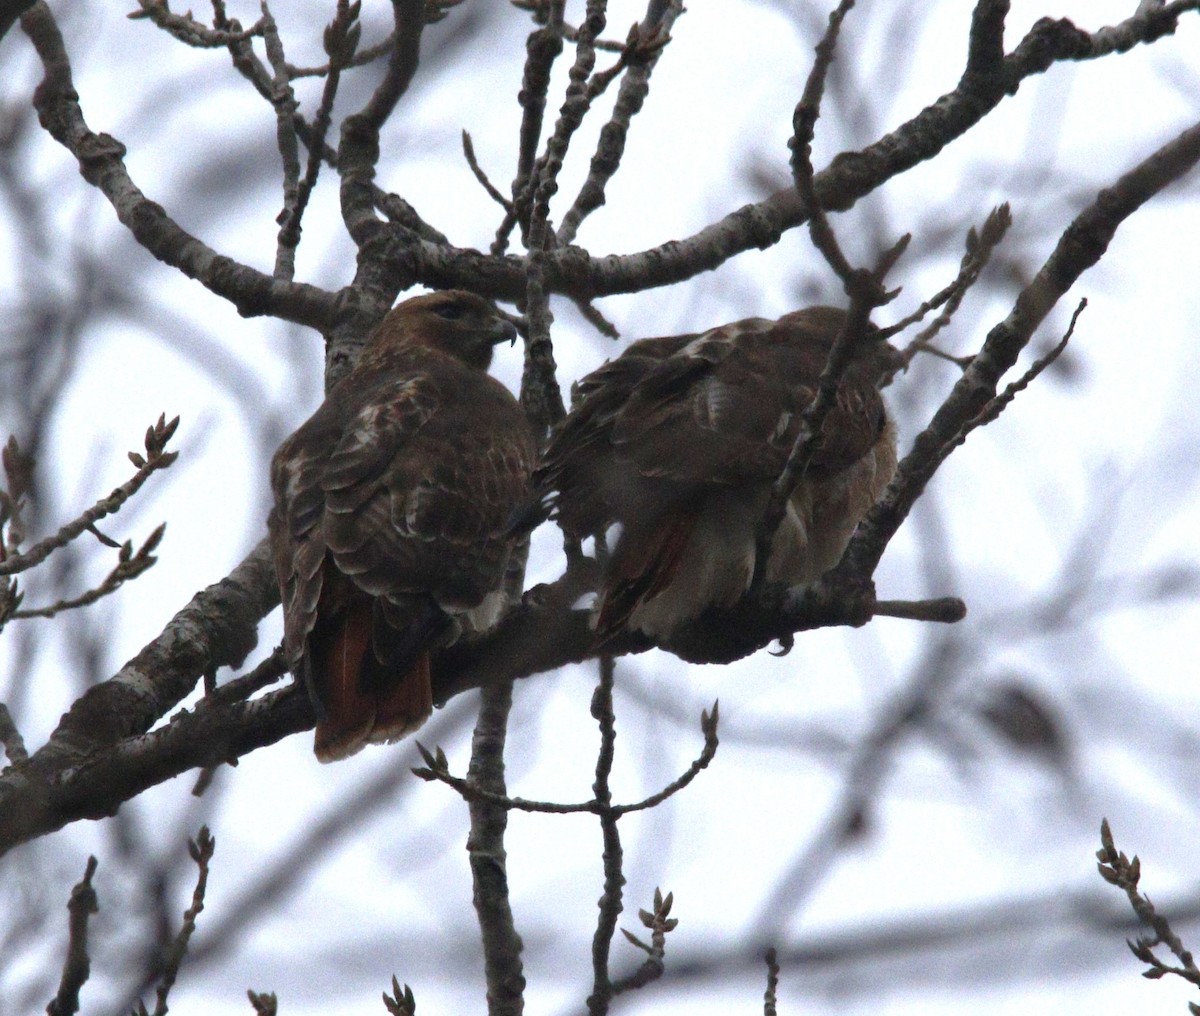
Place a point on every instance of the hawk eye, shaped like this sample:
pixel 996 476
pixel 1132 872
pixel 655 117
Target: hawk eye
pixel 450 311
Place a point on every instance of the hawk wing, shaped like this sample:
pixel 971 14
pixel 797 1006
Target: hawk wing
pixel 392 510
pixel 722 409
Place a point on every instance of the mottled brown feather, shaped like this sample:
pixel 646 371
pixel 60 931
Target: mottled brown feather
pixel 391 530
pixel 678 440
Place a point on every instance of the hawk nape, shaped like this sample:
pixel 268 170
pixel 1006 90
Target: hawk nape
pixel 390 530
pixel 679 441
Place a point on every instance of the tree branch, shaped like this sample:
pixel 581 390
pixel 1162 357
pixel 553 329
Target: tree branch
pixel 101 161
pixel 1080 246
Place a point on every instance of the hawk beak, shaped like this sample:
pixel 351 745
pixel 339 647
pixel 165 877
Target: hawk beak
pixel 504 331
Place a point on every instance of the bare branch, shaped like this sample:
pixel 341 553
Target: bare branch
pixel 643 47
pixel 191 32
pixel 1080 246
pixel 611 900
pixel 201 851
pixel 101 161
pixel 769 1000
pixel 129 566
pixel 485 847
pixel 574 272
pixel 69 778
pixel 1116 869
pixel 78 965
pixel 156 458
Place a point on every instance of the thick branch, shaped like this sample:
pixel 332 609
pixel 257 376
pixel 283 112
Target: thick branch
pixel 101 162
pixel 86 770
pixel 575 273
pixel 33 803
pixel 485 847
pixel 1081 246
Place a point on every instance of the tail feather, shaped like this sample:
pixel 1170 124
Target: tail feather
pixel 357 712
pixel 642 566
pixel 402 708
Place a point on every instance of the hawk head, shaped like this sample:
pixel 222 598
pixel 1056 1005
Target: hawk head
pixel 453 322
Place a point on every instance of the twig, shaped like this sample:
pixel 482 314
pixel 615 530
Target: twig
pixel 201 851
pixel 610 902
pixel 592 315
pixel 542 48
pixel 10 737
pixel 804 121
pixel 359 59
pixel 660 923
pixel 469 152
pixel 156 458
pixel 268 672
pixel 942 610
pixel 340 39
pixel 437 768
pixel 129 566
pixel 997 405
pixel 283 100
pixel 191 32
pixel 772 983
pixel 78 965
pixel 640 54
pixel 1117 869
pixel 978 253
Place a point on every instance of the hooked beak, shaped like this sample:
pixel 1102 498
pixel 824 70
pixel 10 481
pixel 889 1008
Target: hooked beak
pixel 504 329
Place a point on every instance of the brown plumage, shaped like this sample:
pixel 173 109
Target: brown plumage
pixel 390 530
pixel 678 441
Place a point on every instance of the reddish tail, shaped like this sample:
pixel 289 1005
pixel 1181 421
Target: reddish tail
pixel 354 715
pixel 642 566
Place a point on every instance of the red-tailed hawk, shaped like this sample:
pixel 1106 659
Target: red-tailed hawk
pixel 679 440
pixel 390 530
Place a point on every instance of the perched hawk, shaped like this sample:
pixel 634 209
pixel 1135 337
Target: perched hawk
pixel 679 440
pixel 390 530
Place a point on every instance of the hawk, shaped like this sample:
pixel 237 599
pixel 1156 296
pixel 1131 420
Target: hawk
pixel 390 530
pixel 679 441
